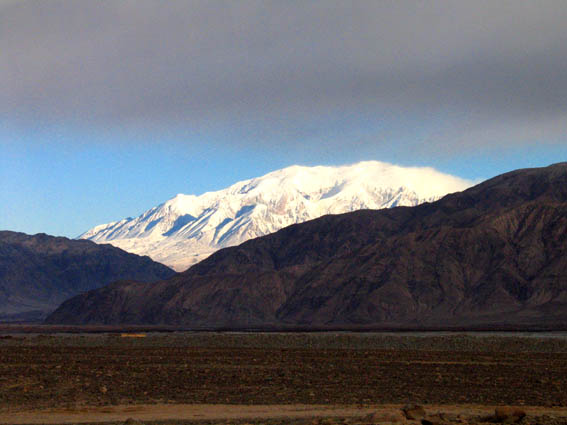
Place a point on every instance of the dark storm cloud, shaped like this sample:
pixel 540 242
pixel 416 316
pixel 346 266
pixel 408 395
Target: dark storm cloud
pixel 484 72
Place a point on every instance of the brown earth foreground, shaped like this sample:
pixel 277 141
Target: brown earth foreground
pixel 275 414
pixel 279 378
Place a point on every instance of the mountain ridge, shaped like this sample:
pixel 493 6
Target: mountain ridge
pixel 38 272
pixel 493 254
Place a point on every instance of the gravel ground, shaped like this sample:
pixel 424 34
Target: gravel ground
pixel 40 371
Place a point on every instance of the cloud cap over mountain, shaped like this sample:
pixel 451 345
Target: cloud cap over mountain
pixel 478 72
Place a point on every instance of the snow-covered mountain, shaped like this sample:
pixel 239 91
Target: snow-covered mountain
pixel 188 228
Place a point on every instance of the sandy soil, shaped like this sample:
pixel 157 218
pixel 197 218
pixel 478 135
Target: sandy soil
pixel 179 411
pixel 201 412
pixel 232 413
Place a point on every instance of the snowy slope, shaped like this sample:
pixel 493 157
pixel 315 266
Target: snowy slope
pixel 188 228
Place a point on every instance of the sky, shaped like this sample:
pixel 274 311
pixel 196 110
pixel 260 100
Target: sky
pixel 109 108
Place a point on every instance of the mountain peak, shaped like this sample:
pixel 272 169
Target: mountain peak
pixel 188 228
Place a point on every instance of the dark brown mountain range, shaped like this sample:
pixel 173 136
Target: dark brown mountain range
pixel 494 255
pixel 39 272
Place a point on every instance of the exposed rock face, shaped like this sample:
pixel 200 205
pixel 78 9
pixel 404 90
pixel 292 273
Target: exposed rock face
pixel 39 272
pixel 495 254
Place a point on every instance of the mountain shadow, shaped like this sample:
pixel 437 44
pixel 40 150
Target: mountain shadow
pixel 39 272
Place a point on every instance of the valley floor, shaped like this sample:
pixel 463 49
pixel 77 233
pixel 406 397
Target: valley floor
pixel 183 377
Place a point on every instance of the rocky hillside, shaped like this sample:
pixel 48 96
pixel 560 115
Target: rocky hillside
pixel 495 254
pixel 39 272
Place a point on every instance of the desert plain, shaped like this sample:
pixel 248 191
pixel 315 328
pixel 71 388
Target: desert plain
pixel 114 377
